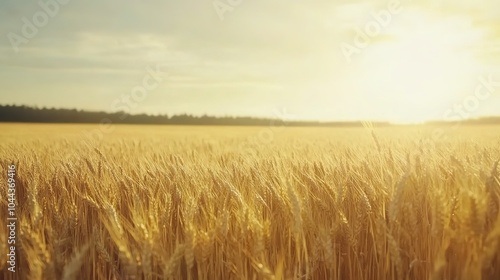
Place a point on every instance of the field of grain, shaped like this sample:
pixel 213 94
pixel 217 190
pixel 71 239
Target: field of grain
pixel 161 202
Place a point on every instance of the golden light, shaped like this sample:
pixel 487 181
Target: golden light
pixel 416 72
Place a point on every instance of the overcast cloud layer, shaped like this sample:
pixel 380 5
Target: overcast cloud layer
pixel 254 58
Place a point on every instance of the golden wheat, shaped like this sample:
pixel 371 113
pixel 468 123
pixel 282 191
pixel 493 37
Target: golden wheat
pixel 160 202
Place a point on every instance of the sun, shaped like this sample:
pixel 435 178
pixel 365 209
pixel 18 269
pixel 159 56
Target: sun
pixel 418 74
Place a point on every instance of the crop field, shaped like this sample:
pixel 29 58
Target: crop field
pixel 193 202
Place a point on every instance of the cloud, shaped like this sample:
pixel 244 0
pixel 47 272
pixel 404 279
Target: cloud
pixel 284 48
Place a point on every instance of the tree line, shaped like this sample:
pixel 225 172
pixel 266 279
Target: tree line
pixel 17 113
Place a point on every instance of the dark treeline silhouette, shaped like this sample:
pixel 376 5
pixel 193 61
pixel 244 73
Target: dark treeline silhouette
pixel 15 113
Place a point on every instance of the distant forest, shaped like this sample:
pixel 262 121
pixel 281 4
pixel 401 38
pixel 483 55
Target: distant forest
pixel 15 113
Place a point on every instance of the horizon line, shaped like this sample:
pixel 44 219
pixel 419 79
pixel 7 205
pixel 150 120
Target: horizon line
pixel 494 118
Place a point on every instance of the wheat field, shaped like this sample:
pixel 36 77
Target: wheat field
pixel 160 202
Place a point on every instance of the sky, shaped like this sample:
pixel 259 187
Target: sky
pixel 392 60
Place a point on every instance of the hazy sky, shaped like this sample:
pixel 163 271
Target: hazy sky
pixel 319 59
